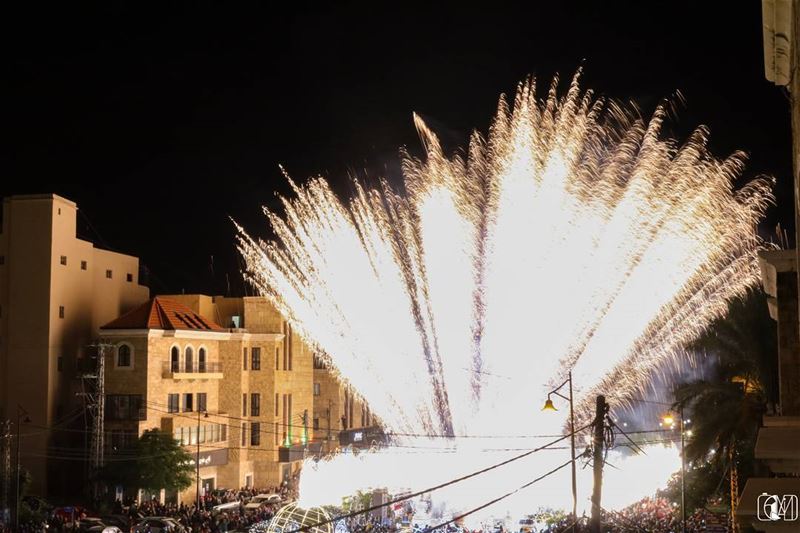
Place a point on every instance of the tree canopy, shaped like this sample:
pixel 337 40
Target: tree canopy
pixel 156 462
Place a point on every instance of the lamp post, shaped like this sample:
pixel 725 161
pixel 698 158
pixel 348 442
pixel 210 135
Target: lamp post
pixel 197 459
pixel 669 420
pixel 548 406
pixel 20 412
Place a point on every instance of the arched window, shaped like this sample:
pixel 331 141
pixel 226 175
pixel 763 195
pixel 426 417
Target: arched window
pixel 123 356
pixel 201 360
pixel 175 355
pixel 189 362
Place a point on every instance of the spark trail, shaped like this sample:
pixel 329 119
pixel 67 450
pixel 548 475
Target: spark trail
pixel 572 236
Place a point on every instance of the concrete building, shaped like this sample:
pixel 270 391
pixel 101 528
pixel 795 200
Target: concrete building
pixel 778 442
pixel 341 417
pixel 55 292
pixel 254 378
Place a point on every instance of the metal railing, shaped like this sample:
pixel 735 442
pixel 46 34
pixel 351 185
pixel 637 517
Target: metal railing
pixel 195 367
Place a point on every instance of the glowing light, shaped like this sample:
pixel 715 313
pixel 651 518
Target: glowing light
pixel 668 420
pixel 572 237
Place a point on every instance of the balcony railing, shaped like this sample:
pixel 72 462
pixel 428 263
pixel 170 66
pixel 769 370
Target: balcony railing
pixel 197 370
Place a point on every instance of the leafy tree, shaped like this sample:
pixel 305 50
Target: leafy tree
pixel 726 409
pixel 156 462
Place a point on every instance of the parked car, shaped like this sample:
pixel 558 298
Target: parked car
pixel 96 525
pixel 70 512
pixel 262 501
pixel 117 520
pixel 527 525
pixel 229 507
pixel 158 524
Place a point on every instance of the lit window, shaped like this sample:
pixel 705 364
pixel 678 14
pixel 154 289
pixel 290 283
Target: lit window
pixel 64 260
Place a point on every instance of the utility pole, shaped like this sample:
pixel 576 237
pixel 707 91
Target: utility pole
pixel 683 477
pixel 94 397
pixel 734 486
pixel 5 487
pixel 305 429
pixel 330 406
pixel 599 430
pixel 18 484
pixel 197 459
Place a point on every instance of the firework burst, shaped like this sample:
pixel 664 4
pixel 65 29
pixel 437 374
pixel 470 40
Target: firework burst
pixel 572 236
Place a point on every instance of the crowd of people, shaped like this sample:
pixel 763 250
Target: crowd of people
pixel 202 519
pixel 649 514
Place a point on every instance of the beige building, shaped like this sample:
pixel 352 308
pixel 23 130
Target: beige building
pixel 172 361
pixel 55 292
pixel 341 417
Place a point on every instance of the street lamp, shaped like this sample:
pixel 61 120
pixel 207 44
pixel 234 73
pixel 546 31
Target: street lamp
pixel 20 421
pixel 548 406
pixel 669 420
pixel 197 459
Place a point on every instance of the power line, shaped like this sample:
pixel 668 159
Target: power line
pixel 499 498
pixel 160 407
pixel 437 487
pixel 637 447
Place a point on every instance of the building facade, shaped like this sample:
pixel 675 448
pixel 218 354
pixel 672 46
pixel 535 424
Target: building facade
pixel 778 442
pixel 240 398
pixel 55 292
pixel 341 417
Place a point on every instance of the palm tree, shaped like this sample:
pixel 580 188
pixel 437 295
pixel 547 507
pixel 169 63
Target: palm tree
pixel 727 408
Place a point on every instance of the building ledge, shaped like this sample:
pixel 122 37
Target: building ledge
pixel 195 375
pixel 778 443
pixel 771 263
pixel 781 421
pixel 747 510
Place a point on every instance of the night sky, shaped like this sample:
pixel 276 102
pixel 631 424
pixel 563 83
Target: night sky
pixel 162 123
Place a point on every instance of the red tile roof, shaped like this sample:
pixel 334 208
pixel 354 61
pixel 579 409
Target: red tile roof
pixel 162 313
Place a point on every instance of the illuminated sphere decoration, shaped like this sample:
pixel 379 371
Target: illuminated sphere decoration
pixel 292 518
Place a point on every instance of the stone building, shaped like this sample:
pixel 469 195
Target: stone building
pixel 55 292
pixel 243 399
pixel 341 417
